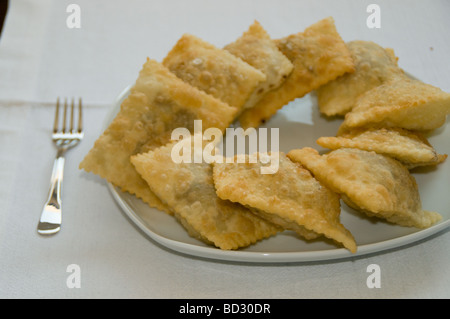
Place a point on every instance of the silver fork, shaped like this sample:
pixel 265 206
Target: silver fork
pixel 64 139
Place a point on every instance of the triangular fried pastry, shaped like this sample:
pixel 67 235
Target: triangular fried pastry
pixel 158 103
pixel 319 55
pixel 369 182
pixel 188 189
pixel 412 149
pixel 257 49
pixel 402 102
pixel 213 70
pixel 291 198
pixel 374 65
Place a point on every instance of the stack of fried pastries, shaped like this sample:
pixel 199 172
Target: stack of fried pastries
pixel 230 204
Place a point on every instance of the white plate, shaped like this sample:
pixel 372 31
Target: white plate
pixel 300 124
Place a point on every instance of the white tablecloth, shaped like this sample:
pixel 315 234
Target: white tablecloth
pixel 41 58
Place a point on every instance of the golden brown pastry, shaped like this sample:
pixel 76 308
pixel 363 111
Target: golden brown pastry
pixel 188 189
pixel 402 102
pixel 412 149
pixel 319 55
pixel 369 182
pixel 158 103
pixel 374 65
pixel 257 49
pixel 213 70
pixel 291 198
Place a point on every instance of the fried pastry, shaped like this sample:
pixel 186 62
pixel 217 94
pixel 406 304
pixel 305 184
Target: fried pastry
pixel 158 103
pixel 402 102
pixel 188 189
pixel 319 55
pixel 257 49
pixel 213 70
pixel 291 198
pixel 374 65
pixel 412 149
pixel 369 182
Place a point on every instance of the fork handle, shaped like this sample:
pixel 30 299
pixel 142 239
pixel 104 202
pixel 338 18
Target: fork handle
pixel 50 221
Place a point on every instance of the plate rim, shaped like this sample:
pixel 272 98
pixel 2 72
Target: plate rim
pixel 273 257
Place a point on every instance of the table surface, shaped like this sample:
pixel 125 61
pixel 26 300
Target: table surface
pixel 42 58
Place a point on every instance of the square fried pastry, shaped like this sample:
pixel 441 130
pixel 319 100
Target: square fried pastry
pixel 372 183
pixel 374 65
pixel 402 102
pixel 291 198
pixel 213 70
pixel 158 103
pixel 410 148
pixel 257 49
pixel 188 189
pixel 319 55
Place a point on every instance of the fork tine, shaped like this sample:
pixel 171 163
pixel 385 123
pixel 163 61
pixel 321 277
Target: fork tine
pixel 80 116
pixel 64 116
pixel 71 115
pixel 55 125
